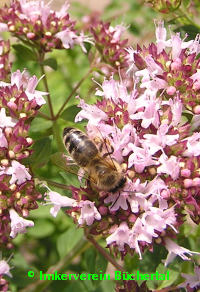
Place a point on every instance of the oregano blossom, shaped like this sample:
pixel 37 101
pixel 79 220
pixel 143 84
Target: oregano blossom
pixel 157 149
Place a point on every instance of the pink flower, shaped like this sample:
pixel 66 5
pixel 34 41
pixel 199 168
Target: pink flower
pixel 34 9
pixel 131 59
pixel 117 32
pixel 114 90
pixel 193 145
pixel 128 194
pixel 120 236
pixel 29 84
pixel 19 173
pixel 152 67
pixel 34 94
pixel 6 121
pixel 176 106
pixel 159 141
pixel 3 141
pixel 88 213
pixel 193 281
pixel 67 38
pixel 4 268
pixel 169 166
pixel 58 201
pixel 108 43
pixel 18 224
pixel 119 200
pixel 176 43
pixel 90 112
pixel 63 10
pixel 144 228
pixel 196 79
pixel 150 114
pixel 81 39
pixel 3 27
pixel 161 35
pixel 195 122
pixel 174 249
pixel 140 158
pixel 157 219
pixel 120 139
pixel 194 46
pixel 139 232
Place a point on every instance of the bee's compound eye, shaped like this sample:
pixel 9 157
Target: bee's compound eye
pixel 66 131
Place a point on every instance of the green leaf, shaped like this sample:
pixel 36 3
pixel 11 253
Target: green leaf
pixel 19 261
pixel 159 284
pixel 95 264
pixel 68 240
pixel 191 30
pixel 90 259
pixel 20 276
pixel 57 135
pixel 41 154
pixel 41 229
pixel 70 173
pixel 59 160
pixel 52 63
pixel 70 178
pixel 134 28
pixel 41 212
pixel 186 3
pixel 101 263
pixel 40 128
pixel 24 52
pixel 70 113
pixel 76 286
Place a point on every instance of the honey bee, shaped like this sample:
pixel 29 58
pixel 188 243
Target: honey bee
pixel 105 174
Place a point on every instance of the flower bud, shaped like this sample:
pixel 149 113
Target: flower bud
pixel 185 172
pixel 165 6
pixel 4 162
pixel 196 109
pixel 196 182
pixel 30 35
pixel 188 183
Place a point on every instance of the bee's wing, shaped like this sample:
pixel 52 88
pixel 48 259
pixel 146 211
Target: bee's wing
pixel 64 162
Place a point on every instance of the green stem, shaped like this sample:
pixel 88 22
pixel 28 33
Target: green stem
pixel 61 266
pixel 185 14
pixel 43 115
pixel 105 254
pixel 73 92
pixel 41 62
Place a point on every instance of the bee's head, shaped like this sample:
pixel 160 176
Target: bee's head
pixel 66 131
pixel 119 184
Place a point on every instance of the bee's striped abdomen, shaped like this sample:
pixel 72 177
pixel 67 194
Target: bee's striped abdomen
pixel 79 146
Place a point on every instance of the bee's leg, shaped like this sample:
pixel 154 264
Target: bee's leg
pixel 101 147
pixel 108 152
pixel 113 204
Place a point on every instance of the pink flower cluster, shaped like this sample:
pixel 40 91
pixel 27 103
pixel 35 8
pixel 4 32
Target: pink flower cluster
pixel 109 44
pixel 4 60
pixel 4 270
pixel 169 67
pixel 39 26
pixel 19 101
pixel 158 148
